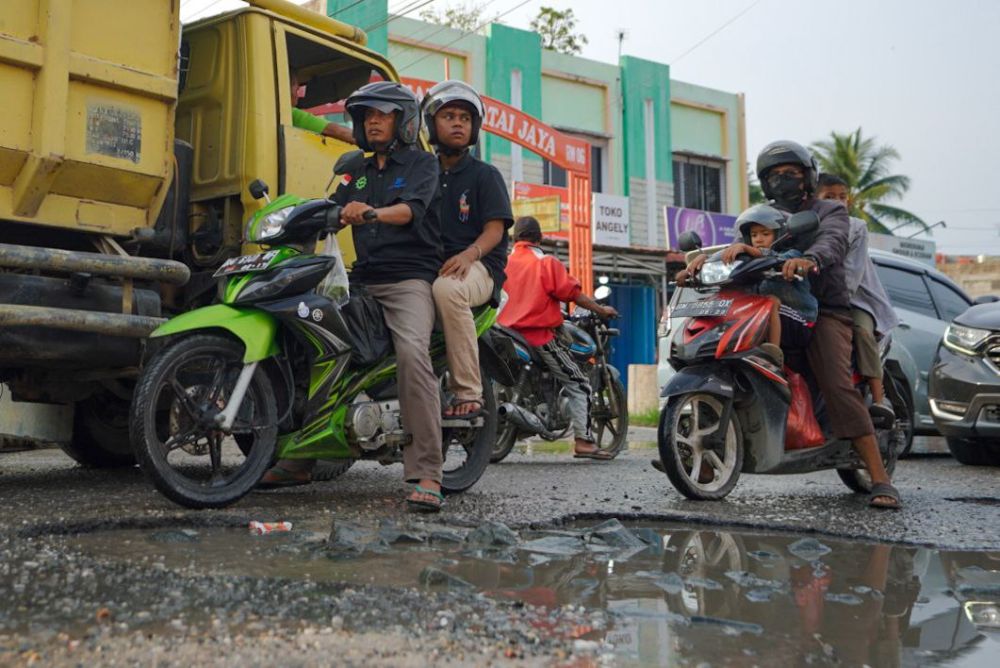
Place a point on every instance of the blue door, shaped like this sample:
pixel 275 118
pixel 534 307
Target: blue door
pixel 637 306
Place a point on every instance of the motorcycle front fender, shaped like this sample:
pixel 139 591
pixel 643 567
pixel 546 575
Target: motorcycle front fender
pixel 708 378
pixel 256 329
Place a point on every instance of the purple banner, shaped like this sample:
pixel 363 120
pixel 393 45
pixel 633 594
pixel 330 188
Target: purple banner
pixel 713 228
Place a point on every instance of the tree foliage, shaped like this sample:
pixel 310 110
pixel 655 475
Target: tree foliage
pixel 866 167
pixel 755 191
pixel 464 17
pixel 557 30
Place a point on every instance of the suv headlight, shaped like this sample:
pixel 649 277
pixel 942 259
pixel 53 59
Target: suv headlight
pixel 717 272
pixel 965 339
pixel 268 227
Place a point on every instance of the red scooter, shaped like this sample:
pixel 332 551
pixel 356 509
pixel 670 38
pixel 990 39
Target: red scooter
pixel 726 409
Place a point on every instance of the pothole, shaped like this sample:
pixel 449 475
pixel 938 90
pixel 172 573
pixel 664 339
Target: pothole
pixel 648 592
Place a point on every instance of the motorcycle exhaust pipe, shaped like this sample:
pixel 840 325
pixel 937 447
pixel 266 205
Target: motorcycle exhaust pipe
pixel 524 420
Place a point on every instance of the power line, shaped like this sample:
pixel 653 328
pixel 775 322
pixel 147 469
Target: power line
pixel 204 9
pixel 435 30
pixel 715 32
pixel 344 9
pixel 469 32
pixel 407 9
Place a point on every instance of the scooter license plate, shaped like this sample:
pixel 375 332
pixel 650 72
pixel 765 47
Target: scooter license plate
pixel 702 309
pixel 245 264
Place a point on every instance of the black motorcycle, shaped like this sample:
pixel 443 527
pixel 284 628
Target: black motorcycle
pixel 536 405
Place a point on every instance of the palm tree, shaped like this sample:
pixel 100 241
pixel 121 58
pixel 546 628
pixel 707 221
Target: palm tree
pixel 865 166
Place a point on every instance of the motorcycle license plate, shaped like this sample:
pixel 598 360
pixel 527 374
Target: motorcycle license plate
pixel 245 264
pixel 702 309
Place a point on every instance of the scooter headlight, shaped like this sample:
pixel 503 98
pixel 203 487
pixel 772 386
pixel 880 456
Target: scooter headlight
pixel 717 272
pixel 268 227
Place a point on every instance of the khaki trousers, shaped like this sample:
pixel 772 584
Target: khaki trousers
pixel 409 313
pixel 454 300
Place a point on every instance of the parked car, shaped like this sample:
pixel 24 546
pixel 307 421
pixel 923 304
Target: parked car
pixel 965 386
pixel 925 301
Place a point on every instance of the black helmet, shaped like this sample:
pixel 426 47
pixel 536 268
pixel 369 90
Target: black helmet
pixel 385 96
pixel 786 152
pixel 760 214
pixel 450 92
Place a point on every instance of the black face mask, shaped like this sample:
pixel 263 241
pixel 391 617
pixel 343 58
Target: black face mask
pixel 787 190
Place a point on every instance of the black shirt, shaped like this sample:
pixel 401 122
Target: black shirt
pixel 472 194
pixel 392 253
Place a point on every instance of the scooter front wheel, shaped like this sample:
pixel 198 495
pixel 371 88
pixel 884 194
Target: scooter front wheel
pixel 177 442
pixel 700 462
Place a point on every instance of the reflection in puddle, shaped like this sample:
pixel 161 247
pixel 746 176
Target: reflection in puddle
pixel 673 595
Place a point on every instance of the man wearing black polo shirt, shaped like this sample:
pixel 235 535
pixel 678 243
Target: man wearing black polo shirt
pixel 475 216
pixel 398 258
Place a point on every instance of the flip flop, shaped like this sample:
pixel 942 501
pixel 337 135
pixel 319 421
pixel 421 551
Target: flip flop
pixel 469 415
pixel 278 477
pixel 422 505
pixel 887 490
pixel 598 454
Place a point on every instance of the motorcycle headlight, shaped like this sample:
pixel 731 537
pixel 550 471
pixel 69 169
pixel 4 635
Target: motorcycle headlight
pixel 717 272
pixel 268 227
pixel 963 339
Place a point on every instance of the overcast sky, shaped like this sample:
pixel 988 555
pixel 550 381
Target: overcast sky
pixel 919 75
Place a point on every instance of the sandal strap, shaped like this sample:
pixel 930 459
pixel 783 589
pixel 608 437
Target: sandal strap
pixel 429 492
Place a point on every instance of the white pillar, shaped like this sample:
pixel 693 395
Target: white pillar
pixel 649 142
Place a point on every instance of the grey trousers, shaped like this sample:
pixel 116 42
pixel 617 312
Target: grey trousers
pixel 566 371
pixel 409 313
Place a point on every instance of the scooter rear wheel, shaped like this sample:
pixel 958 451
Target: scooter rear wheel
pixel 698 469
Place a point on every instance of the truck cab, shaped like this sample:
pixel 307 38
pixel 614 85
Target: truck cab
pixel 124 168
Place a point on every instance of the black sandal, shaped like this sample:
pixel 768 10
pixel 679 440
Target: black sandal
pixel 465 416
pixel 886 490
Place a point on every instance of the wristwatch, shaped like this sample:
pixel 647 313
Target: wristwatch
pixel 813 259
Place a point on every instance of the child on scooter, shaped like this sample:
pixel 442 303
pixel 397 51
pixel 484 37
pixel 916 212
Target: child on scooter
pixel 794 308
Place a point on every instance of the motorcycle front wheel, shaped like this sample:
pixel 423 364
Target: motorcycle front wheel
pixel 609 415
pixel 180 391
pixel 700 467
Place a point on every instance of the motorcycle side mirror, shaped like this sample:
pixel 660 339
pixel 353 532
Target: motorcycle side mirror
pixel 258 190
pixel 602 293
pixel 689 241
pixel 802 223
pixel 349 162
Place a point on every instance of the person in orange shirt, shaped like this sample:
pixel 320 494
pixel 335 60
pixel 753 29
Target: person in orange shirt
pixel 537 284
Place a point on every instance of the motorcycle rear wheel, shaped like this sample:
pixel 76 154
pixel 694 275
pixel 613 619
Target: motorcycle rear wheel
pixel 473 446
pixel 181 388
pixel 685 420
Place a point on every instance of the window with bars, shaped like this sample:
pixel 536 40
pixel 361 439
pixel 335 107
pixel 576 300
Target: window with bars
pixel 698 183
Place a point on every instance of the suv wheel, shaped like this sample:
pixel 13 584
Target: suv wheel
pixel 973 451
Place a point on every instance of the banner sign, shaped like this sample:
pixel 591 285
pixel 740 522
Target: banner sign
pixel 713 228
pixel 514 125
pixel 549 204
pixel 610 213
pixel 915 249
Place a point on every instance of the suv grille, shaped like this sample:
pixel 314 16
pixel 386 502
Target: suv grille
pixel 993 355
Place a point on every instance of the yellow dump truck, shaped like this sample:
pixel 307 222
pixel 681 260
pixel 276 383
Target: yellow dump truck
pixel 127 143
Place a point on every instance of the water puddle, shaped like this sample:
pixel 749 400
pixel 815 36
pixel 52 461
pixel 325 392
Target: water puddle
pixel 670 594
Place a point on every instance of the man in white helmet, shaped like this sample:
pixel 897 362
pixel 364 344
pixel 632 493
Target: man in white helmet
pixel 475 216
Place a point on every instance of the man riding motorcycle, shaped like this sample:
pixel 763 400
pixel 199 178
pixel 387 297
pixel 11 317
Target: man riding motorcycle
pixel 391 202
pixel 537 284
pixel 788 174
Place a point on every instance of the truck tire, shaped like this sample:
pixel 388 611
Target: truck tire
pixel 100 433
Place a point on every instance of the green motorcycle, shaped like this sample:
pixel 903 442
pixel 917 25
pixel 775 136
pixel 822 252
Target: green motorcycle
pixel 273 371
